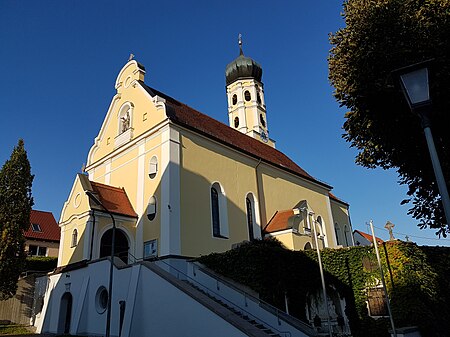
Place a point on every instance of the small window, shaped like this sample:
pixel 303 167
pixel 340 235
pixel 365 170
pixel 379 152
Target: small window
pixel 101 300
pixel 153 170
pixel 236 122
pixel 32 250
pixel 150 248
pixel 234 99
pixel 263 122
pixel 308 246
pixel 247 95
pixel 258 98
pixel 151 208
pixel 74 238
pixel 42 251
pixel 36 227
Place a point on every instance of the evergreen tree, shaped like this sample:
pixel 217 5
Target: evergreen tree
pixel 15 207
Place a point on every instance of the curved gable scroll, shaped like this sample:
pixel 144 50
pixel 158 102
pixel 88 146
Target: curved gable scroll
pixel 130 73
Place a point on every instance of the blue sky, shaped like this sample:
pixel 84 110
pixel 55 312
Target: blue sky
pixel 59 61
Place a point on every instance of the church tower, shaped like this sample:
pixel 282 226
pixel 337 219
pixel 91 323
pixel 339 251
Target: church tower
pixel 245 93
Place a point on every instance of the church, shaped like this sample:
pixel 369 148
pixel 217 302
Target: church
pixel 178 184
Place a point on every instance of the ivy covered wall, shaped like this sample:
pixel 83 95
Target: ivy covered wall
pixel 417 278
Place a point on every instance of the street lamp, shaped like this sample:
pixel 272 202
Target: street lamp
pixel 414 83
pixel 111 267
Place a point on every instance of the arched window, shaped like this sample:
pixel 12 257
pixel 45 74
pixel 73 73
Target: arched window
pixel 74 238
pixel 261 119
pixel 215 212
pixel 236 122
pixel 319 227
pixel 337 230
pixel 307 246
pixel 153 169
pixel 151 208
pixel 219 217
pixel 348 240
pixel 250 218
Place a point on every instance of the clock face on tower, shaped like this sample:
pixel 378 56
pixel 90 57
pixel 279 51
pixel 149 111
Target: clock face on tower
pixel 264 137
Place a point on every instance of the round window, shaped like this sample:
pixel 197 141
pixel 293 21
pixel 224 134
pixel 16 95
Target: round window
pixel 247 95
pixel 234 99
pixel 101 300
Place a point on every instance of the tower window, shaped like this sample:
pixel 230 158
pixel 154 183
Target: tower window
pixel 234 99
pixel 236 122
pixel 258 97
pixel 261 118
pixel 153 169
pixel 247 95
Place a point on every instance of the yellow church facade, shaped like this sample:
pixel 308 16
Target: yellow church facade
pixel 176 182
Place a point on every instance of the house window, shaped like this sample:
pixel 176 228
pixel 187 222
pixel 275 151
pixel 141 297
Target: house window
pixel 247 95
pixel 234 99
pixel 219 212
pixel 153 170
pixel 74 238
pixel 37 251
pixel 150 248
pixel 36 227
pixel 251 235
pixel 377 302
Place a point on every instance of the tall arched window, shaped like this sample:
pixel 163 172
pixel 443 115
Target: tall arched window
pixel 250 217
pixel 215 212
pixel 74 238
pixel 346 232
pixel 337 230
pixel 219 216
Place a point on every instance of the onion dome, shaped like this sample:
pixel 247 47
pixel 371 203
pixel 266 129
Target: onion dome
pixel 242 67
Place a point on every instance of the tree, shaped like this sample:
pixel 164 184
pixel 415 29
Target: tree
pixel 380 36
pixel 15 208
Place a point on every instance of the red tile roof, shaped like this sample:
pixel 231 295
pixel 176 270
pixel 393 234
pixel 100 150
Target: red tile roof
pixel 114 199
pixel 335 198
pixel 368 236
pixel 50 230
pixel 190 118
pixel 279 221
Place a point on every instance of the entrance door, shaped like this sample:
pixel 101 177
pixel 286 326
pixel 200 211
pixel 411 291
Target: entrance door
pixel 121 246
pixel 65 313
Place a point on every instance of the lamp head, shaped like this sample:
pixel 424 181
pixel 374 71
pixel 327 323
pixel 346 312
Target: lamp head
pixel 415 85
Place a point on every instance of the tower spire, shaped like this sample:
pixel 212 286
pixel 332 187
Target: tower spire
pixel 240 44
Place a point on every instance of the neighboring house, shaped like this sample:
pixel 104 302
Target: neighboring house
pixel 364 239
pixel 43 235
pixel 177 183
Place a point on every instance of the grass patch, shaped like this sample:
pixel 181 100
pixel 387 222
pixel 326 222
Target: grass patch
pixel 14 330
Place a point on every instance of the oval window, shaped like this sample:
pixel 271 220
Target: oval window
pixel 234 99
pixel 101 300
pixel 236 122
pixel 247 95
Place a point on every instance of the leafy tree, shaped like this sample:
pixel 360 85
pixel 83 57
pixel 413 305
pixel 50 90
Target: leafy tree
pixel 380 36
pixel 15 207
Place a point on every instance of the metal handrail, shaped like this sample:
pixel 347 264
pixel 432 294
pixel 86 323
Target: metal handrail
pixel 285 333
pixel 280 313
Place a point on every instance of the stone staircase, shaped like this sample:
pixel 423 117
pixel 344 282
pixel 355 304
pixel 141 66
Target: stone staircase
pixel 266 330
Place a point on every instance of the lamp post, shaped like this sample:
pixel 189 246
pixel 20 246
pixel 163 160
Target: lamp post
pixel 322 278
pixel 414 83
pixel 111 267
